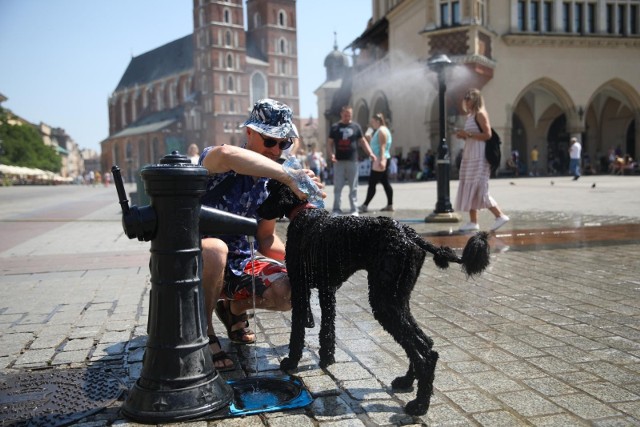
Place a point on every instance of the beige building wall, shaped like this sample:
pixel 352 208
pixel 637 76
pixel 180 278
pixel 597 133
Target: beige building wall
pixel 534 83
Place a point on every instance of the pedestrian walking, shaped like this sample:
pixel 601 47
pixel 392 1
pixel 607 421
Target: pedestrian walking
pixel 575 151
pixel 380 143
pixel 534 161
pixel 473 189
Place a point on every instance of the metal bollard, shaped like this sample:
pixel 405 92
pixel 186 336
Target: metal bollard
pixel 178 379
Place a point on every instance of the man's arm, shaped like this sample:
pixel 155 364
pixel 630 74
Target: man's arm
pixel 246 162
pixel 331 154
pixel 269 243
pixel 366 147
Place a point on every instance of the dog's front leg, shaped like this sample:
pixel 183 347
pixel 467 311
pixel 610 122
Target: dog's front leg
pixel 299 308
pixel 327 326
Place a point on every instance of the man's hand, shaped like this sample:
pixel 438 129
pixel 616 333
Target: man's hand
pixel 294 186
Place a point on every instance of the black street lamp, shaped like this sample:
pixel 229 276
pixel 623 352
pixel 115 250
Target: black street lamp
pixel 443 211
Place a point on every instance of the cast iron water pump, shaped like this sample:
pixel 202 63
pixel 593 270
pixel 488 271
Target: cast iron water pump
pixel 178 380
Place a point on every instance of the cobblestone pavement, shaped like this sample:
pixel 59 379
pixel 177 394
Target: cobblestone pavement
pixel 548 336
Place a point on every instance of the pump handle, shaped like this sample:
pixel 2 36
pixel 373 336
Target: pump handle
pixel 122 194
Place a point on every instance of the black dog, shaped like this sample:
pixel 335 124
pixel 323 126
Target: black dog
pixel 323 252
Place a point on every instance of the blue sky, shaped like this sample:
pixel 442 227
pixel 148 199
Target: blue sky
pixel 61 59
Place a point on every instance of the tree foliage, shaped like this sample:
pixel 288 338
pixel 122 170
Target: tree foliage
pixel 21 145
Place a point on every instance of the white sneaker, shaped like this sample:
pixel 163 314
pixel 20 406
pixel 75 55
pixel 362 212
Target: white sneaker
pixel 355 213
pixel 471 226
pixel 500 221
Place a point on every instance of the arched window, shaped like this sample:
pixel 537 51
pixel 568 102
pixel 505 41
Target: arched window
pixel 230 84
pixel 282 46
pixel 156 149
pixel 258 87
pixel 227 16
pixel 232 106
pixel 203 84
pixel 116 153
pixel 256 20
pixel 282 18
pixel 173 89
pixel 141 153
pixel 227 38
pixel 229 61
pixel 185 89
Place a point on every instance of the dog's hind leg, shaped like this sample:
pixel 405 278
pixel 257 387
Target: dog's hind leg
pixel 327 325
pixel 405 382
pixel 389 293
pixel 422 359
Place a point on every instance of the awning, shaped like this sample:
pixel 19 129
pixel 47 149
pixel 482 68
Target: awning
pixel 139 130
pixel 23 171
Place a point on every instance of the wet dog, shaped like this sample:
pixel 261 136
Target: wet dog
pixel 323 251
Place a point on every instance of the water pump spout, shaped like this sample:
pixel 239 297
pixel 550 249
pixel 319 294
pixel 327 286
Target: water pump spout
pixel 216 222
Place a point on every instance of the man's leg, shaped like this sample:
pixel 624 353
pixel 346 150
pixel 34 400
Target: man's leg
pixel 273 291
pixel 352 179
pixel 214 259
pixel 277 297
pixel 338 183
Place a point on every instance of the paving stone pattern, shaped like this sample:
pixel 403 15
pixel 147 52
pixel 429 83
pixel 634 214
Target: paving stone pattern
pixel 547 337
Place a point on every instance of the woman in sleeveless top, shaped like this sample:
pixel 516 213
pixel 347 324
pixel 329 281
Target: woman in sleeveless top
pixel 380 143
pixel 473 190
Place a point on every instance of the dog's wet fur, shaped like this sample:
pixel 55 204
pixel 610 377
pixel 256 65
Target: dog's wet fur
pixel 323 251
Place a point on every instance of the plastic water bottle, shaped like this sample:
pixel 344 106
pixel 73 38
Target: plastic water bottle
pixel 293 168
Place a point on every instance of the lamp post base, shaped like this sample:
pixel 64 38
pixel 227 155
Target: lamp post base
pixel 443 217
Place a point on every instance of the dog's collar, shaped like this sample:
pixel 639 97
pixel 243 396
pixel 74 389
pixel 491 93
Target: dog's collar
pixel 295 211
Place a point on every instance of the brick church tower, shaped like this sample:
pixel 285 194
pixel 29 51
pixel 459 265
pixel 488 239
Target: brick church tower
pixel 200 88
pixel 233 68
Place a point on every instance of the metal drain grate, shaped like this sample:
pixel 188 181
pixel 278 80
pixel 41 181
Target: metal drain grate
pixel 55 397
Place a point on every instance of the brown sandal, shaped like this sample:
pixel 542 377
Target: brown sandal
pixel 228 319
pixel 221 355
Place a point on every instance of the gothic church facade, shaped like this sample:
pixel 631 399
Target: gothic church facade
pixel 199 89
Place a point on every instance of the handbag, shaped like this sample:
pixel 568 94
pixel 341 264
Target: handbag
pixel 492 149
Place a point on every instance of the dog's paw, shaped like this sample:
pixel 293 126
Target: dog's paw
pixel 402 383
pixel 416 408
pixel 288 364
pixel 326 361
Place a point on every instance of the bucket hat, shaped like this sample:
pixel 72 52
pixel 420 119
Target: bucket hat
pixel 272 118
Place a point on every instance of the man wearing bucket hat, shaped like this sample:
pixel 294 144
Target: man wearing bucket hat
pixel 237 184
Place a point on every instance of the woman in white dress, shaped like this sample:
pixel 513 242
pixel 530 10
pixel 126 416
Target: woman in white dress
pixel 473 190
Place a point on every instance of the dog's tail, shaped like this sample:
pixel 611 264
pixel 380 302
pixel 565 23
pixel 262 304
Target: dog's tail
pixel 475 256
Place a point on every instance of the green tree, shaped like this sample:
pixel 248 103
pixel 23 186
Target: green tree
pixel 22 146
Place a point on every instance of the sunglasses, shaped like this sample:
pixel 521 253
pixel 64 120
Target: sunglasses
pixel 270 142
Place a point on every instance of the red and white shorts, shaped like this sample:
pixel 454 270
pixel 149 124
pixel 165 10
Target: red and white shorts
pixel 265 270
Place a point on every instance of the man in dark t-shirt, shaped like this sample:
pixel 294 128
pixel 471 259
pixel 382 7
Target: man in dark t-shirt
pixel 343 151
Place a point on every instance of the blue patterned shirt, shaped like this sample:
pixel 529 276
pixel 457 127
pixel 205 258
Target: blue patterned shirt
pixel 242 197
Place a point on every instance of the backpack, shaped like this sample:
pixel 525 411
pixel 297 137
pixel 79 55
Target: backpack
pixel 492 150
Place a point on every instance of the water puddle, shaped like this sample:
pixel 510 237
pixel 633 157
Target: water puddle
pixel 547 238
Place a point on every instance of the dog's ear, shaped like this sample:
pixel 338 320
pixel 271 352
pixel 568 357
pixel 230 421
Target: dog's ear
pixel 271 208
pixel 273 185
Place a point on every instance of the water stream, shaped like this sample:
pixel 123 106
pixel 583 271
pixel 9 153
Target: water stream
pixel 253 292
